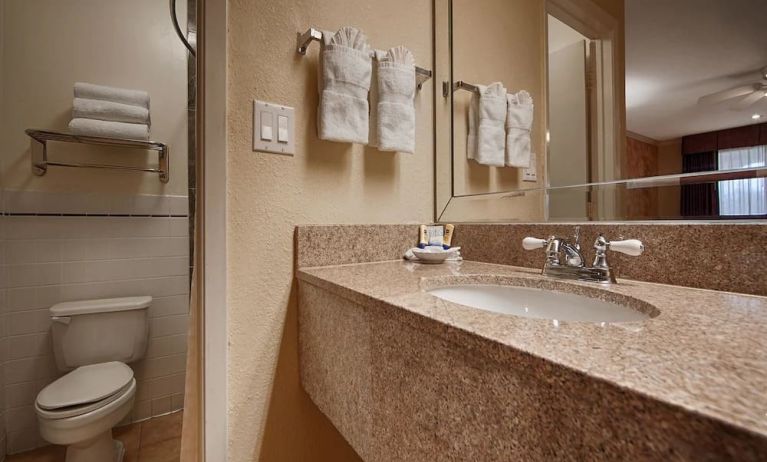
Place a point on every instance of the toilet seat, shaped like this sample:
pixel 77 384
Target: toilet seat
pixel 84 390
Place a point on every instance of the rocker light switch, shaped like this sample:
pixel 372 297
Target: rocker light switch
pixel 273 128
pixel 282 129
pixel 266 126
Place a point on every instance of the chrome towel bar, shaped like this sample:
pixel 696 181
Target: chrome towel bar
pixel 315 35
pixel 40 163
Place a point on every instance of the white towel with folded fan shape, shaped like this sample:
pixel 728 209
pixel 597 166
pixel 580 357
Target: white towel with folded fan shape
pixel 346 69
pixel 395 118
pixel 519 122
pixel 117 95
pixel 83 108
pixel 106 129
pixel 487 118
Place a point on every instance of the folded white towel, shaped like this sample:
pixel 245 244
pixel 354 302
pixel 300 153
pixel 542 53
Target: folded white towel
pixel 83 108
pixel 346 68
pixel 114 94
pixel 395 118
pixel 105 129
pixel 487 117
pixel 519 121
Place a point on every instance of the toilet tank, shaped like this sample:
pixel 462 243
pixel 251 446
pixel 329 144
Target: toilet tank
pixel 96 331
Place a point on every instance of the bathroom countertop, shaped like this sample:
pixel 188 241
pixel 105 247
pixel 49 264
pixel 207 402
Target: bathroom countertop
pixel 705 352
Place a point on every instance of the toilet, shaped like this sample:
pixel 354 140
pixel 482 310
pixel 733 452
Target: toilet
pixel 93 340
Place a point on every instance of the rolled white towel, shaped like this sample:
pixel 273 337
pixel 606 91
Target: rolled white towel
pixel 346 68
pixel 396 109
pixel 83 108
pixel 114 94
pixel 105 129
pixel 519 122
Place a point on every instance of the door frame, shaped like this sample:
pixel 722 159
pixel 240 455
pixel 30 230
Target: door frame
pixel 211 225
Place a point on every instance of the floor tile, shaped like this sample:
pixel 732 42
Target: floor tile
pixel 130 435
pixel 161 428
pixel 164 451
pixel 44 454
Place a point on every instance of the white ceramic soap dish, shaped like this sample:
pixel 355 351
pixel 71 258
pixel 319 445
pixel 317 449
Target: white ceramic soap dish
pixel 434 254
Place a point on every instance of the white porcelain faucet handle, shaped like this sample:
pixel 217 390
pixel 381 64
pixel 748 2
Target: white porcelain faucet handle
pixel 633 247
pixel 533 243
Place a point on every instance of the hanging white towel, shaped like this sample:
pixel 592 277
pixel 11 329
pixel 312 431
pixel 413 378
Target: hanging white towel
pixel 346 68
pixel 487 117
pixel 395 118
pixel 114 94
pixel 83 108
pixel 519 121
pixel 105 129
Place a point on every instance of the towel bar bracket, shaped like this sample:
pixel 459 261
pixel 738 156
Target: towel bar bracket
pixel 39 150
pixel 315 35
pixel 458 85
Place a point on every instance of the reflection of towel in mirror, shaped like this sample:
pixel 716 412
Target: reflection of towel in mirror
pixel 519 121
pixel 487 116
pixel 346 69
pixel 393 114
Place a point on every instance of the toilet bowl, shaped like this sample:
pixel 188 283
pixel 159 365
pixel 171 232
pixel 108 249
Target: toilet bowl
pixel 92 340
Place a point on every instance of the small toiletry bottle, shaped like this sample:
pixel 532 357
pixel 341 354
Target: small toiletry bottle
pixel 448 238
pixel 423 237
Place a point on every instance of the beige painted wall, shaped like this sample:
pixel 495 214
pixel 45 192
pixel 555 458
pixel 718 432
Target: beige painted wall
pixel 270 417
pixel 51 44
pixel 497 41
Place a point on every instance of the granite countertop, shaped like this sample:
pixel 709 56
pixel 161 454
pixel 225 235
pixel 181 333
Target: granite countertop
pixel 706 352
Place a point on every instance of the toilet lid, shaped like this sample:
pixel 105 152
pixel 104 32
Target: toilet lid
pixel 84 385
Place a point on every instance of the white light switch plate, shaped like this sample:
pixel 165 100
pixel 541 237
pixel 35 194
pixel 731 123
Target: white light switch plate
pixel 274 142
pixel 529 174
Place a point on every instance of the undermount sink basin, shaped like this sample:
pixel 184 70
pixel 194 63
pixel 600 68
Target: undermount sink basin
pixel 531 302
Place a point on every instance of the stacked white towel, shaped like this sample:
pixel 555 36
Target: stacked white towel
pixel 392 97
pixel 345 81
pixel 519 121
pixel 487 118
pixel 110 112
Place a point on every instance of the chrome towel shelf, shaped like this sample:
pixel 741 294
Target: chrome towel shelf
pixel 40 163
pixel 315 35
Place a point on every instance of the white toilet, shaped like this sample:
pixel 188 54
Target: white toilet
pixel 93 339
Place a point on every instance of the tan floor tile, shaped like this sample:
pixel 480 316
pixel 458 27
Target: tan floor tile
pixel 164 451
pixel 130 435
pixel 44 454
pixel 161 428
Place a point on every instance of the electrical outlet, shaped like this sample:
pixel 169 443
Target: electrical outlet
pixel 530 174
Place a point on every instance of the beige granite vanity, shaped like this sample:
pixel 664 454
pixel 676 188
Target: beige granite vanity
pixel 404 375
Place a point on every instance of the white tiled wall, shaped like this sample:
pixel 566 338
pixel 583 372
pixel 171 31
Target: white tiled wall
pixel 50 259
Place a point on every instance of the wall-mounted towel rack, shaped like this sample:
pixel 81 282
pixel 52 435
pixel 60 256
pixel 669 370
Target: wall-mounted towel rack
pixel 40 163
pixel 458 85
pixel 315 35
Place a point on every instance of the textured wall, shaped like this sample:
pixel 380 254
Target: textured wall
pixel 270 417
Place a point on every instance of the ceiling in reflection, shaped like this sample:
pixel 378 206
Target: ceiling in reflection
pixel 680 50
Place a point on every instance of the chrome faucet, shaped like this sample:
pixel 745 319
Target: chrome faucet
pixel 565 260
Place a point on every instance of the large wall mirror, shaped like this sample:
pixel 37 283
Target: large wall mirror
pixel 563 110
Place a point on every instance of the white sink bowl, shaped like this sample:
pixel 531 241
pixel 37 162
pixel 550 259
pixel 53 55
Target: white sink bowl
pixel 530 302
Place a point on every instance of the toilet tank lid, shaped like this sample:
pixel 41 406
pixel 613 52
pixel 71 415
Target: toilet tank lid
pixel 104 305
